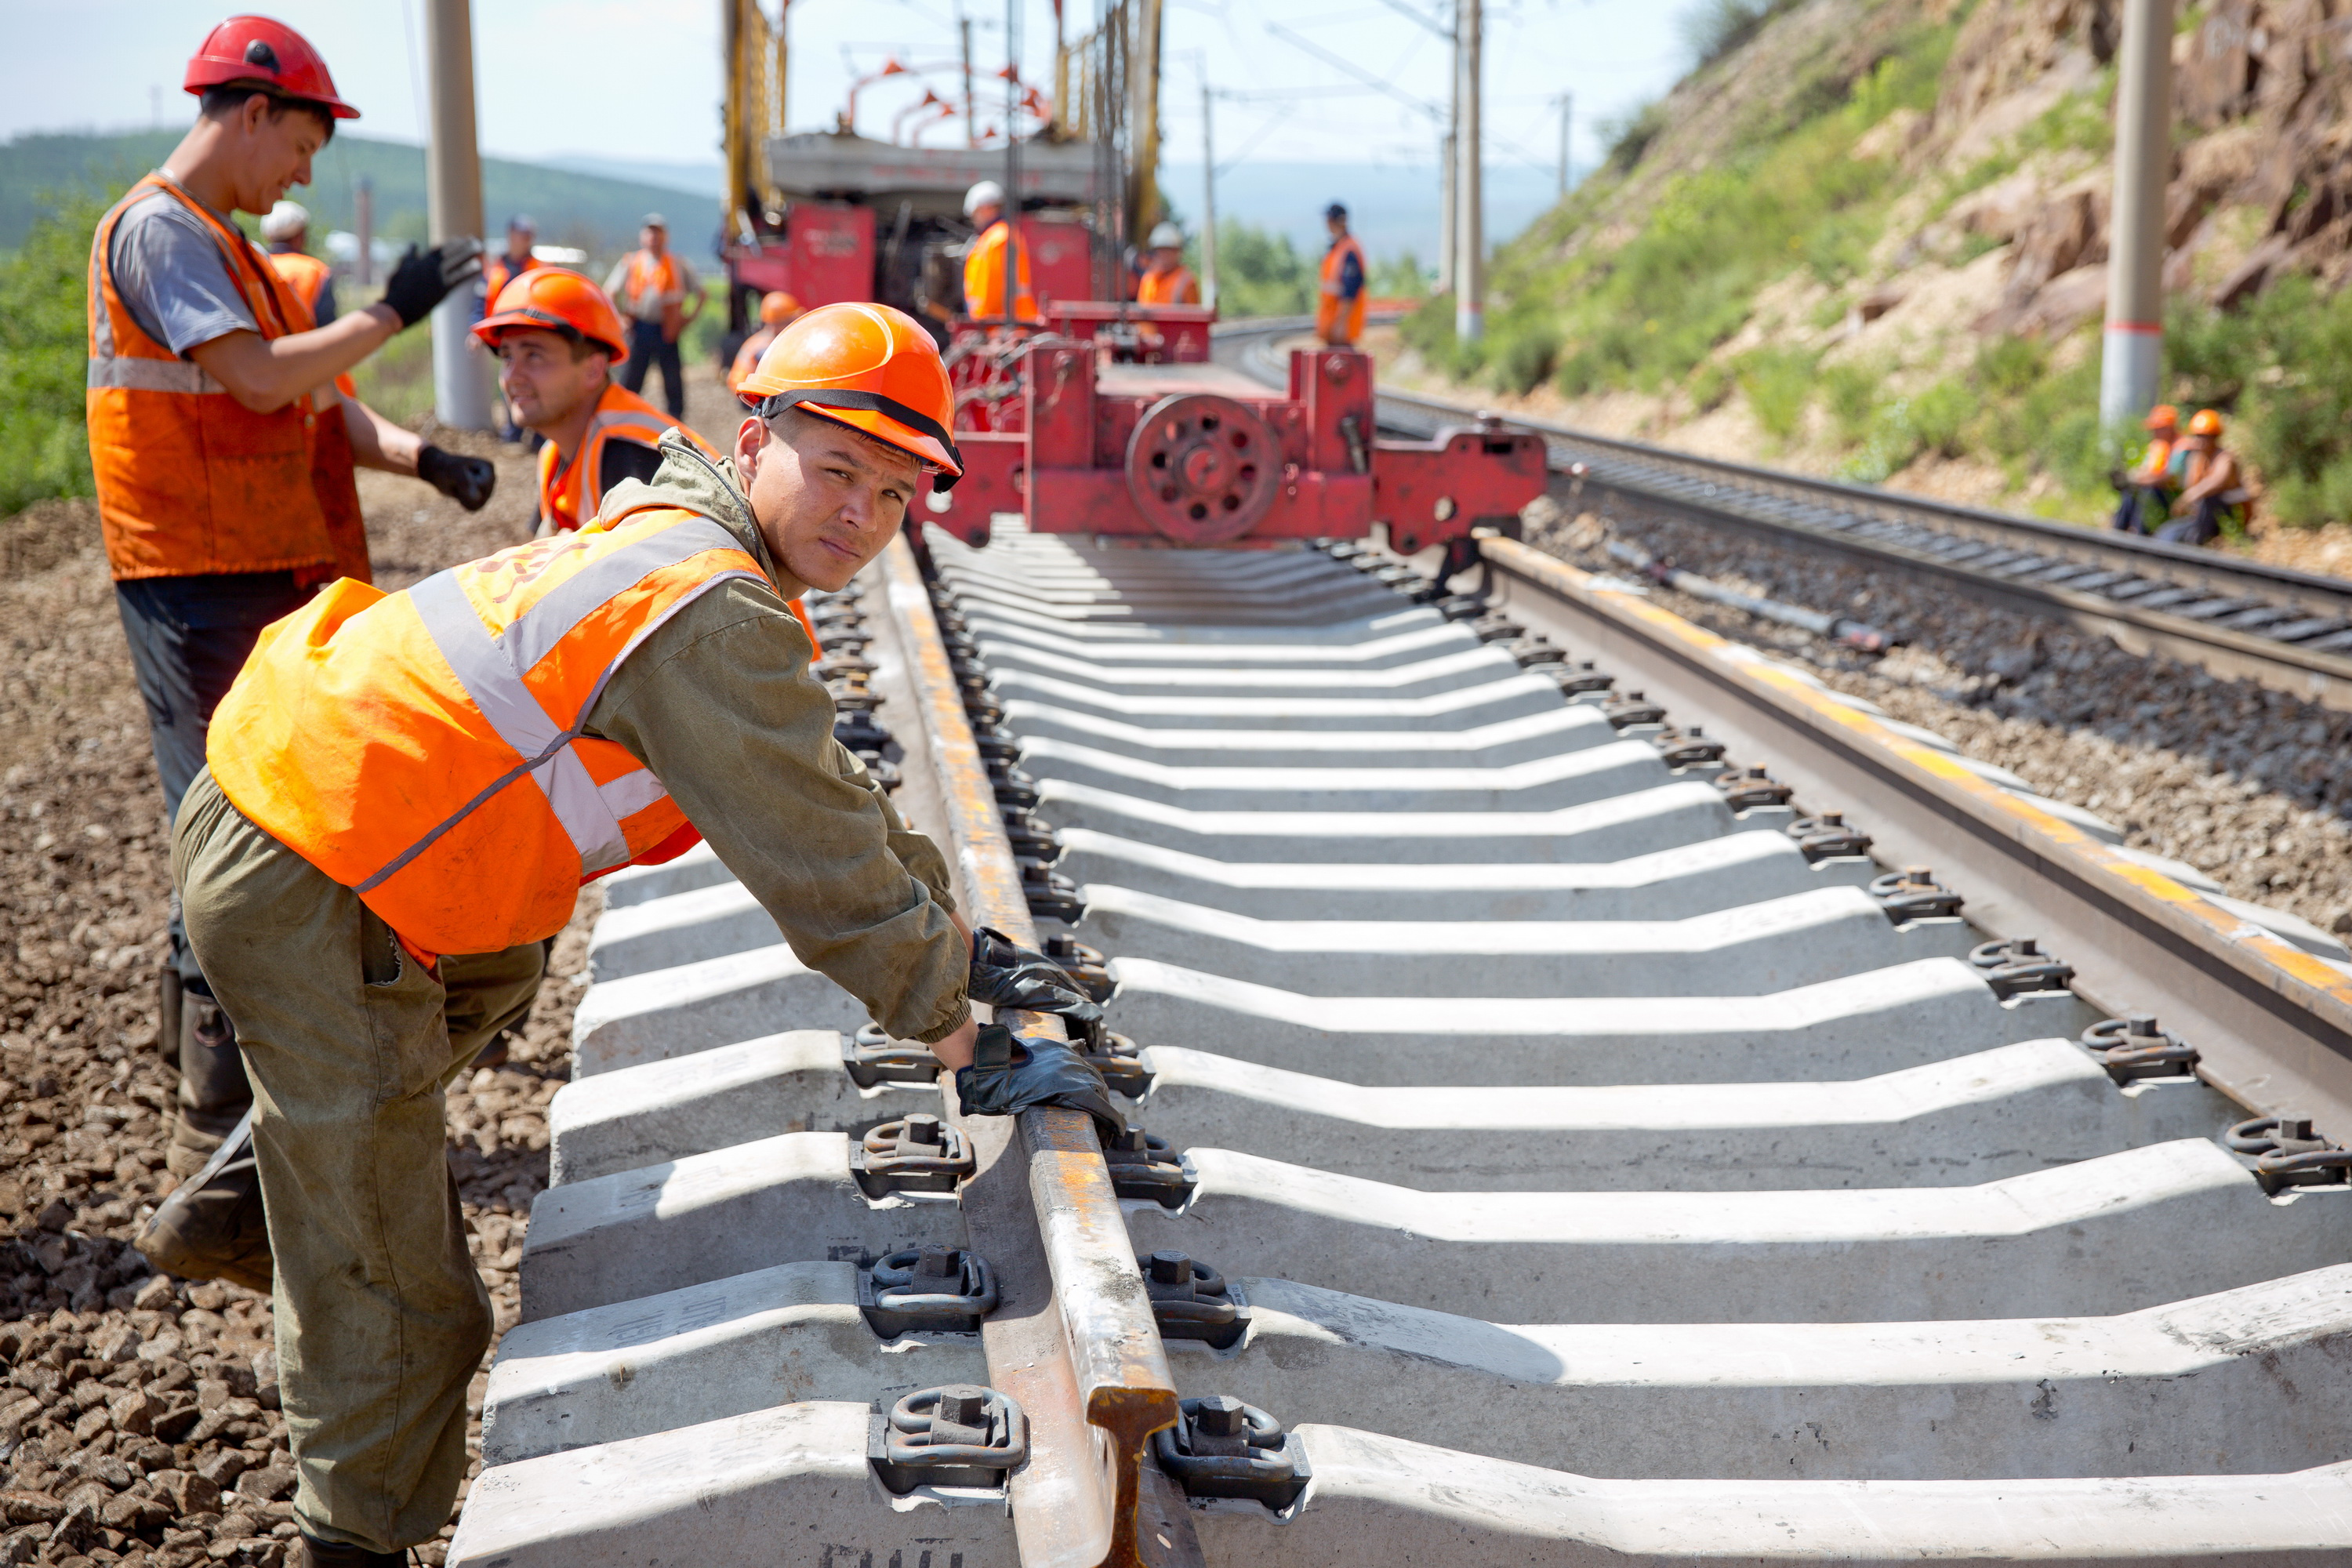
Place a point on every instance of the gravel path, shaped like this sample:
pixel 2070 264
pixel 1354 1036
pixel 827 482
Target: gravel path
pixel 138 1418
pixel 2252 786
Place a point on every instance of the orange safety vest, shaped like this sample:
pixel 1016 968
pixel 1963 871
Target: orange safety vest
pixel 658 275
pixel 189 479
pixel 501 272
pixel 1175 287
pixel 1328 305
pixel 333 469
pixel 568 490
pixel 983 277
pixel 424 748
pixel 306 276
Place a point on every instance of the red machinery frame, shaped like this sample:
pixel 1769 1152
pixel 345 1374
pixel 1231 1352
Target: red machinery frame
pixel 1198 455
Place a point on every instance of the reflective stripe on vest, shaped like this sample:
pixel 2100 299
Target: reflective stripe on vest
pixel 386 738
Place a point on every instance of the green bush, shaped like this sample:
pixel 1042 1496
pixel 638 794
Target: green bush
pixel 1262 274
pixel 2277 364
pixel 1852 391
pixel 1779 383
pixel 44 354
pixel 1711 30
pixel 1522 353
pixel 1708 386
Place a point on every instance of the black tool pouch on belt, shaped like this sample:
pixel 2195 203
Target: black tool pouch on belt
pixel 1006 975
pixel 1009 1075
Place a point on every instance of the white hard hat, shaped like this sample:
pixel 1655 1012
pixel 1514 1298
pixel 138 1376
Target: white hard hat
pixel 1167 237
pixel 987 193
pixel 285 220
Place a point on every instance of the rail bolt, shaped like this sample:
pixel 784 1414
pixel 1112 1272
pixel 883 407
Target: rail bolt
pixel 1144 1166
pixel 2134 1047
pixel 1085 965
pixel 871 1056
pixel 1581 682
pixel 1222 1447
pixel 920 1154
pixel 2017 966
pixel 1745 789
pixel 929 1288
pixel 1913 894
pixel 958 1436
pixel 1030 835
pixel 1627 709
pixel 1192 1300
pixel 1828 837
pixel 2289 1153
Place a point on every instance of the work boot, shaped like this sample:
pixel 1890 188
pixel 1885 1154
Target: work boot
pixel 212 1226
pixel 312 1553
pixel 214 1093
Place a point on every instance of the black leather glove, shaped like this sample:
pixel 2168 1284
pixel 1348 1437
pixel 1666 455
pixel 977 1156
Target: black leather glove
pixel 469 482
pixel 1010 1075
pixel 423 280
pixel 1006 975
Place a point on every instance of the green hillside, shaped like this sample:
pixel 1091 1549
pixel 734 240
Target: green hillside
pixel 597 213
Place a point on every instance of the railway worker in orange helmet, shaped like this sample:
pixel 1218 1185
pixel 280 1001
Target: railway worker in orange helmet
pixel 557 337
pixel 778 309
pixel 391 787
pixel 222 451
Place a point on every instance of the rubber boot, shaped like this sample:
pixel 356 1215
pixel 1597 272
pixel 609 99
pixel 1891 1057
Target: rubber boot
pixel 309 1552
pixel 168 994
pixel 214 1093
pixel 212 1226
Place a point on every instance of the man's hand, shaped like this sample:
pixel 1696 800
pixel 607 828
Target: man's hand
pixel 424 278
pixel 1010 1075
pixel 469 482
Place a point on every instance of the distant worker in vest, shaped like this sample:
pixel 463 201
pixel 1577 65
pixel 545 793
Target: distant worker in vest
pixel 522 233
pixel 2214 495
pixel 1340 302
pixel 2144 496
pixel 557 337
pixel 223 453
pixel 390 783
pixel 778 311
pixel 661 296
pixel 286 234
pixel 1166 279
pixel 983 260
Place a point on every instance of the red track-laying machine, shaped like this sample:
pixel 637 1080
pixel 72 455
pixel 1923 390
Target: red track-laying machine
pixel 1195 454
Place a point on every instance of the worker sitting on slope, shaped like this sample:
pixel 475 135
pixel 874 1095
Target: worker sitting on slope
pixel 778 311
pixel 984 260
pixel 1339 299
pixel 1166 279
pixel 2214 496
pixel 389 783
pixel 557 336
pixel 2144 495
pixel 222 453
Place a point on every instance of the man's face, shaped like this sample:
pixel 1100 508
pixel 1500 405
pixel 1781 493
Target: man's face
pixel 984 219
pixel 1167 258
pixel 544 384
pixel 273 152
pixel 1337 226
pixel 652 239
pixel 519 241
pixel 827 500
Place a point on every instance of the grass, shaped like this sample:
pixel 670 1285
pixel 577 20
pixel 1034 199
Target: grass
pixel 2275 367
pixel 44 349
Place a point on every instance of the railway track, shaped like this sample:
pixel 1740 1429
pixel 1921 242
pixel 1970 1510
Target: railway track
pixel 1555 1136
pixel 2290 630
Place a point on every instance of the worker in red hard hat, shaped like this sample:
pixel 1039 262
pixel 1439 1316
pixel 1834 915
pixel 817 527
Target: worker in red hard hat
pixel 397 811
pixel 778 309
pixel 222 449
pixel 557 337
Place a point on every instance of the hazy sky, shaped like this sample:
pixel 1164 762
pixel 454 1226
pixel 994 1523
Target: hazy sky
pixel 638 78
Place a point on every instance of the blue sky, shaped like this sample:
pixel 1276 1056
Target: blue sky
pixel 638 78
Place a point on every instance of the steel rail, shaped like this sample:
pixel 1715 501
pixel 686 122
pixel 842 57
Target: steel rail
pixel 2289 630
pixel 2274 1022
pixel 1093 1375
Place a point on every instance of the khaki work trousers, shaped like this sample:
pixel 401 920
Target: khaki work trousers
pixel 349 1043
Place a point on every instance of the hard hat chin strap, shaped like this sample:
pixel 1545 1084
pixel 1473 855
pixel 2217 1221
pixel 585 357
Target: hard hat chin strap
pixel 872 403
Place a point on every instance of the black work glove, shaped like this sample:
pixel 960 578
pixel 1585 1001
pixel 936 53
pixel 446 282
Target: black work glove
pixel 1009 1075
pixel 423 280
pixel 469 482
pixel 1006 975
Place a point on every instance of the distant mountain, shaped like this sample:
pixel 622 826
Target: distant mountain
pixel 596 212
pixel 699 179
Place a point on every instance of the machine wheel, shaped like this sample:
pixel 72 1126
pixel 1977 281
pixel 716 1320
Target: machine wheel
pixel 1202 469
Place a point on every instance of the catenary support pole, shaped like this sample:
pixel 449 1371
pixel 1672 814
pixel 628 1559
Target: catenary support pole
pixel 1567 115
pixel 453 200
pixel 1445 209
pixel 1012 246
pixel 2130 366
pixel 971 109
pixel 1470 262
pixel 363 220
pixel 1208 197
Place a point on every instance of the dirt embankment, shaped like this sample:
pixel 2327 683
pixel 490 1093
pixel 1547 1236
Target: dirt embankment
pixel 139 1418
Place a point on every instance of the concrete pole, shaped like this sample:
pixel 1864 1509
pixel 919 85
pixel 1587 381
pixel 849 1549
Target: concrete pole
pixel 2130 368
pixel 364 219
pixel 1567 114
pixel 453 202
pixel 1208 199
pixel 1469 227
pixel 1446 161
pixel 1011 161
pixel 971 109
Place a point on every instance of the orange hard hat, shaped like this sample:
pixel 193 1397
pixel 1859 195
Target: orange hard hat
pixel 254 48
pixel 2163 416
pixel 776 307
pixel 869 367
pixel 552 299
pixel 2205 422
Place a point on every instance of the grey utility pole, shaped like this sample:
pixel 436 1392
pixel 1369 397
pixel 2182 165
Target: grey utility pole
pixel 1469 229
pixel 1447 207
pixel 2131 366
pixel 453 202
pixel 364 219
pixel 971 110
pixel 1208 198
pixel 1567 114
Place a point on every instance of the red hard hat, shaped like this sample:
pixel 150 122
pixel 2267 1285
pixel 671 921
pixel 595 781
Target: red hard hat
pixel 254 48
pixel 550 298
pixel 870 367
